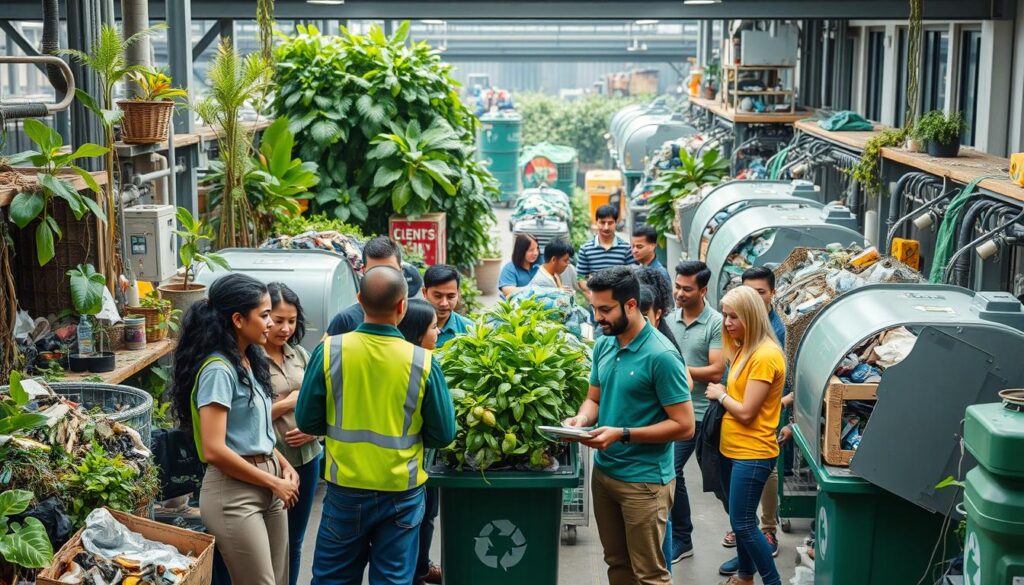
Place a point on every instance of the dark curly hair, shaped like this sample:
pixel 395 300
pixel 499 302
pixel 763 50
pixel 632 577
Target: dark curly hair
pixel 208 329
pixel 279 292
pixel 657 280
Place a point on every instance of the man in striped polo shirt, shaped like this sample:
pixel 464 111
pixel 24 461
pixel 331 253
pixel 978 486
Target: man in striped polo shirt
pixel 605 251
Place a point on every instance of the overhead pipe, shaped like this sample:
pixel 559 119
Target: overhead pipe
pixel 51 44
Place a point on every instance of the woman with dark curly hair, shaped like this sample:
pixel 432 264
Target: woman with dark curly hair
pixel 222 390
pixel 662 289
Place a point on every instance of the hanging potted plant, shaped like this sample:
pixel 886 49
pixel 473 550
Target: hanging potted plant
pixel 193 233
pixel 148 114
pixel 941 132
pixel 87 287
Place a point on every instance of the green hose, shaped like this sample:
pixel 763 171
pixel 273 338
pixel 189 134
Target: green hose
pixel 947 229
pixel 780 160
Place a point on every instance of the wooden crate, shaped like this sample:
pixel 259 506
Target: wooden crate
pixel 189 542
pixel 837 393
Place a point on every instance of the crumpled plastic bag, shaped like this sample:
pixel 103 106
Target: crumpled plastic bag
pixel 105 536
pixel 109 310
pixel 896 345
pixel 844 281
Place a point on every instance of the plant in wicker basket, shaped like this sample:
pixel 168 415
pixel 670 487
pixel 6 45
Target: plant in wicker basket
pixel 161 317
pixel 147 115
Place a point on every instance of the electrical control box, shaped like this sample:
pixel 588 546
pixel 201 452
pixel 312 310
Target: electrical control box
pixel 150 241
pixel 763 48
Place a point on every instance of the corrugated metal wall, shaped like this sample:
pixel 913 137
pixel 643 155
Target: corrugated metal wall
pixel 552 77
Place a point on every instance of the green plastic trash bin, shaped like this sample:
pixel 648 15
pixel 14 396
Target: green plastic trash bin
pixel 864 534
pixel 994 496
pixel 499 143
pixel 502 527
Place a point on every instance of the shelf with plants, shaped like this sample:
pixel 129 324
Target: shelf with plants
pixel 770 76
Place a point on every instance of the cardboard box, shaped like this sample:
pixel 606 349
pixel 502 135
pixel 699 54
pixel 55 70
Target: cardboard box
pixel 426 234
pixel 197 544
pixel 837 393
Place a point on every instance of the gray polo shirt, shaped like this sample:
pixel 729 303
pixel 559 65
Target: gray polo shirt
pixel 695 341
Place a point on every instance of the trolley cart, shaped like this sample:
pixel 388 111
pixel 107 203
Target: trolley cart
pixel 576 501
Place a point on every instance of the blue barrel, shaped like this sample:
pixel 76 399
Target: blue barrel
pixel 499 144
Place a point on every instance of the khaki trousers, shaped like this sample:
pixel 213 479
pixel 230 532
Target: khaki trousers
pixel 632 519
pixel 250 524
pixel 770 502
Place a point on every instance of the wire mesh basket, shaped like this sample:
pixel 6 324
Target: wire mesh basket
pixel 129 406
pixel 576 501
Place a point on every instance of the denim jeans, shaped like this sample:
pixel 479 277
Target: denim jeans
pixel 367 526
pixel 682 525
pixel 298 515
pixel 433 506
pixel 744 481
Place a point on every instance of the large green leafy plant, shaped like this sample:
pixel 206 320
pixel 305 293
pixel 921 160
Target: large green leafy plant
pixel 194 233
pixel 98 480
pixel 51 182
pixel 515 371
pixel 383 119
pixel 12 418
pixel 25 544
pixel 681 182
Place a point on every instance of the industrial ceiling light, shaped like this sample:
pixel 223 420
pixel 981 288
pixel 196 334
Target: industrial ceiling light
pixel 646 22
pixel 326 2
pixel 702 1
pixel 433 21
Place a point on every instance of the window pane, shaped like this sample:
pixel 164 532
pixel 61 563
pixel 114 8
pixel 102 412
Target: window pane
pixel 970 51
pixel 936 51
pixel 901 76
pixel 874 73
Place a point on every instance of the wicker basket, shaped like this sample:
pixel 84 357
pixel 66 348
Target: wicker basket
pixel 145 122
pixel 153 333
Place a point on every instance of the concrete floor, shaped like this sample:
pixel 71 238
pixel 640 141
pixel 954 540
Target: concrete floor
pixel 583 563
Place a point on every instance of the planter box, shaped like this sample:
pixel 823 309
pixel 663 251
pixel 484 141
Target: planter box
pixel 502 527
pixel 196 544
pixel 426 234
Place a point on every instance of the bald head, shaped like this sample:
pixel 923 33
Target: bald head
pixel 382 294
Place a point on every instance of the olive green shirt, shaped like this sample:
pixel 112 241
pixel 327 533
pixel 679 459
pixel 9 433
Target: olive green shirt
pixel 285 379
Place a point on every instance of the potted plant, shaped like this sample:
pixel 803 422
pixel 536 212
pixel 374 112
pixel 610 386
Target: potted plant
pixel 680 182
pixel 710 81
pixel 941 132
pixel 488 269
pixel 148 114
pixel 193 234
pixel 87 287
pixel 161 317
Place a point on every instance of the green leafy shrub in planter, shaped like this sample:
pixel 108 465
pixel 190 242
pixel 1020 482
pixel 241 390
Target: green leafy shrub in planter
pixel 511 373
pixel 383 119
pixel 99 480
pixel 680 182
pixel 941 132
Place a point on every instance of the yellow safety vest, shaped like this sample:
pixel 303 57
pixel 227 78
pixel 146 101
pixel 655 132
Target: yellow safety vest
pixel 196 434
pixel 375 388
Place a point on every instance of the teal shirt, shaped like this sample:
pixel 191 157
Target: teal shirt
pixel 438 410
pixel 456 325
pixel 637 382
pixel 695 342
pixel 249 430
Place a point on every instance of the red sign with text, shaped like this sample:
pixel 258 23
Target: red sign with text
pixel 426 235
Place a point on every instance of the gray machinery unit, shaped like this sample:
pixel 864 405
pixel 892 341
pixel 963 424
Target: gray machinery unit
pixel 544 229
pixel 324 281
pixel 626 115
pixel 150 241
pixel 729 198
pixel 773 232
pixel 967 349
pixel 644 135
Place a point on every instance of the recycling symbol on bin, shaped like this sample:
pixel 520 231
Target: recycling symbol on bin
pixel 822 532
pixel 500 544
pixel 972 560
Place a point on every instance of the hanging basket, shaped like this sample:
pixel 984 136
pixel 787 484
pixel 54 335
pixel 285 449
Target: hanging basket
pixel 145 122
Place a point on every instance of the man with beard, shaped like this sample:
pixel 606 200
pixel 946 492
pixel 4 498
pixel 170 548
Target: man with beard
pixel 640 402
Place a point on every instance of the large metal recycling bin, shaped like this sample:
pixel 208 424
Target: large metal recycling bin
pixel 502 527
pixel 500 143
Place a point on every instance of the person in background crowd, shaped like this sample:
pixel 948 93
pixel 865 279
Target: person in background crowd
pixel 662 288
pixel 222 391
pixel 355 392
pixel 606 250
pixel 762 280
pixel 640 401
pixel 441 289
pixel 649 310
pixel 379 251
pixel 518 273
pixel 419 327
pixel 644 248
pixel 557 258
pixel 697 328
pixel 752 401
pixel 287 367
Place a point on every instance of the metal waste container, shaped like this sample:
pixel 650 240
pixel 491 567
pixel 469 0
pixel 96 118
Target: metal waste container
pixel 878 519
pixel 768 234
pixel 324 281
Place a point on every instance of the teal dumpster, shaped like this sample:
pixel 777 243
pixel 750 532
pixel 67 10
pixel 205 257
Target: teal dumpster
pixel 500 143
pixel 502 527
pixel 994 495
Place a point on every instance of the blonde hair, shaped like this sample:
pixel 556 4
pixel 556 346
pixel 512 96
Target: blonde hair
pixel 756 327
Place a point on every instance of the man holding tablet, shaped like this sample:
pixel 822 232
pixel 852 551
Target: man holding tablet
pixel 640 402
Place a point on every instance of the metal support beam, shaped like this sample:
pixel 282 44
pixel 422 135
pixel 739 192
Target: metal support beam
pixel 206 40
pixel 83 30
pixel 183 191
pixel 227 30
pixel 14 37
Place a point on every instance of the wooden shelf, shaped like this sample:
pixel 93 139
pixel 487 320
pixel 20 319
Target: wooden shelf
pixel 856 140
pixel 731 115
pixel 127 363
pixel 131 150
pixel 209 133
pixel 757 67
pixel 766 92
pixel 8 193
pixel 964 169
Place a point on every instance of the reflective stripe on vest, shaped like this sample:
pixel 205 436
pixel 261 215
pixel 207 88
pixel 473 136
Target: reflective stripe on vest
pixel 353 442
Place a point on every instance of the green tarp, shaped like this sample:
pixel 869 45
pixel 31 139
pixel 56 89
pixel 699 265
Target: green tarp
pixel 846 121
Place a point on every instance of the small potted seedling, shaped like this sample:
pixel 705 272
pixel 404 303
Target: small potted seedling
pixel 87 288
pixel 193 233
pixel 941 132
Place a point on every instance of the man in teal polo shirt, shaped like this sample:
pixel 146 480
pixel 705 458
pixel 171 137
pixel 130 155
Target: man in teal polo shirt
pixel 441 289
pixel 640 402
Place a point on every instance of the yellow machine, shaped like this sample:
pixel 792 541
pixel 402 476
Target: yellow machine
pixel 600 185
pixel 1017 168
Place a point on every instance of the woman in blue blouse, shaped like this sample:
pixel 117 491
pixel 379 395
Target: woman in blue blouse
pixel 520 271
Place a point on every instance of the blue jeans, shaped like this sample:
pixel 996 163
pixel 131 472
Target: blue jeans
pixel 360 526
pixel 433 506
pixel 298 515
pixel 744 481
pixel 682 525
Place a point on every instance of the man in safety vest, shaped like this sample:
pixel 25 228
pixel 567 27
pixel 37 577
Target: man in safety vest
pixel 378 400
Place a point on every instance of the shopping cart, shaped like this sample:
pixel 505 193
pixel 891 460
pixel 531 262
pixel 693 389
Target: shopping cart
pixel 576 501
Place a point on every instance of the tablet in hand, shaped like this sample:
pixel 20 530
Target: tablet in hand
pixel 566 432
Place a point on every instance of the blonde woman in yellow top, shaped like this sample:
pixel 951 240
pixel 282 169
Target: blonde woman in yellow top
pixel 752 404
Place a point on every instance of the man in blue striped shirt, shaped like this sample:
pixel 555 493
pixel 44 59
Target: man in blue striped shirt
pixel 605 251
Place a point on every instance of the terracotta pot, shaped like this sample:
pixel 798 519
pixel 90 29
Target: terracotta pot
pixel 180 298
pixel 487 272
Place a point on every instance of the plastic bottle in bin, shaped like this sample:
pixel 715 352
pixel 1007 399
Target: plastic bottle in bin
pixel 85 343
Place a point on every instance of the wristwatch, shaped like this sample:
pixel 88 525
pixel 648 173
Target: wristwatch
pixel 625 435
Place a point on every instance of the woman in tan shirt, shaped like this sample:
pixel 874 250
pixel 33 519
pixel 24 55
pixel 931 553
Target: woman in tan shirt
pixel 287 367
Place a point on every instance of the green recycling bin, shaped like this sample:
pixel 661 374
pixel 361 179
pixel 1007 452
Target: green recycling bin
pixel 994 495
pixel 864 534
pixel 502 527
